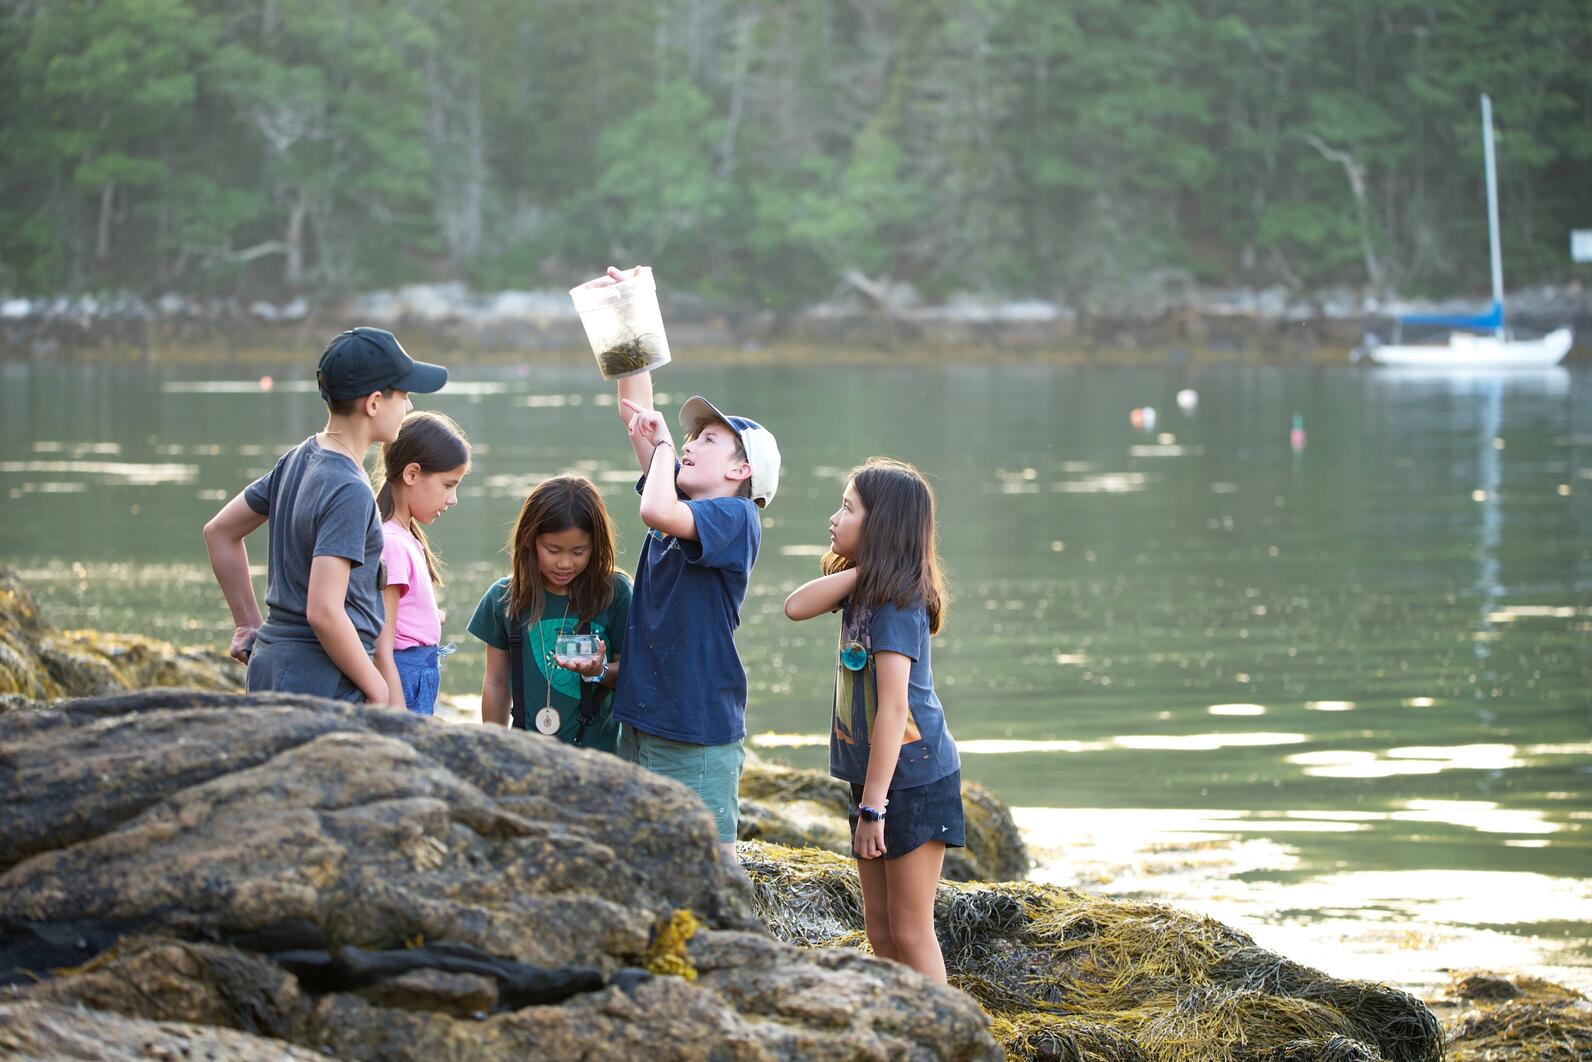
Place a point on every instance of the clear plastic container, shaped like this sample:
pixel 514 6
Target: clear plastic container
pixel 623 323
pixel 579 648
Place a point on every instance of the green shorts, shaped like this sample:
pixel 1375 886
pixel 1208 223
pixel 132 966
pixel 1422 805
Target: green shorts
pixel 712 772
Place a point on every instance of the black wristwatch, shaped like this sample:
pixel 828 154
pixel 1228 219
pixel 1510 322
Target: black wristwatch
pixel 870 814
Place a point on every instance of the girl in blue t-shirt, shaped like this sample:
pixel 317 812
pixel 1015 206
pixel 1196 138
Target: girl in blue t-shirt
pixel 562 581
pixel 888 736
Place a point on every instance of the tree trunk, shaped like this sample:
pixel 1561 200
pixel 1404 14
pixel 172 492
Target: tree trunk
pixel 459 189
pixel 475 179
pixel 293 266
pixel 107 204
pixel 743 57
pixel 1354 170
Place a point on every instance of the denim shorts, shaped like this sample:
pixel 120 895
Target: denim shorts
pixel 916 816
pixel 713 772
pixel 420 676
pixel 290 665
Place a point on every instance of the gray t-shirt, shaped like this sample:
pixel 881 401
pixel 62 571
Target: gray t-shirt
pixel 319 504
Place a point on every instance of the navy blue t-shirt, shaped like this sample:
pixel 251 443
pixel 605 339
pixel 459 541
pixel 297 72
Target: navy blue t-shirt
pixel 682 677
pixel 928 752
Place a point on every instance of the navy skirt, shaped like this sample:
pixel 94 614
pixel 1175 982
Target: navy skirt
pixel 916 816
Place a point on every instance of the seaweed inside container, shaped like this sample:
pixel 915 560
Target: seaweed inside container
pixel 632 356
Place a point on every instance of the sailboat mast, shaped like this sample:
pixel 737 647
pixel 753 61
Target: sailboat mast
pixel 1492 211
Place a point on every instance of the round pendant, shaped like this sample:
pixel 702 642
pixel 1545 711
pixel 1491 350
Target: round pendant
pixel 547 721
pixel 853 656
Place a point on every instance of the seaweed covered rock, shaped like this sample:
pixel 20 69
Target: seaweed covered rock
pixel 1515 1019
pixel 799 808
pixel 371 884
pixel 38 662
pixel 1068 975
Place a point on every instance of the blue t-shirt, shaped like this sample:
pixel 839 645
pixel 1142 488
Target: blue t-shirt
pixel 682 677
pixel 928 752
pixel 319 504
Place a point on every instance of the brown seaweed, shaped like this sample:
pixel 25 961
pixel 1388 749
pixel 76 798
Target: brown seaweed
pixel 632 356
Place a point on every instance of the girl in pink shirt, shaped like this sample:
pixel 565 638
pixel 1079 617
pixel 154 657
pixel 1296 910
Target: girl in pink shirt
pixel 422 469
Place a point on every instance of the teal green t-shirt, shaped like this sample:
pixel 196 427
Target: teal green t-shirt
pixel 491 625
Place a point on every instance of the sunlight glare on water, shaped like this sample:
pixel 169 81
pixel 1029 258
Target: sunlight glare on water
pixel 1334 691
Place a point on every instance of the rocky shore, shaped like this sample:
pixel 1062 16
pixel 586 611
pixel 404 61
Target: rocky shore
pixel 40 663
pixel 189 873
pixel 1163 315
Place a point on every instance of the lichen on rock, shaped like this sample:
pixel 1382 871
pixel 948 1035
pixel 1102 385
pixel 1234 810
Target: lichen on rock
pixel 264 863
pixel 39 663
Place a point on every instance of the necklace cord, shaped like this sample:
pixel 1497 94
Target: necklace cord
pixel 547 654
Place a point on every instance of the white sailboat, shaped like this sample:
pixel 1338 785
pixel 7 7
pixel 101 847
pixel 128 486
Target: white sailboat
pixel 1482 341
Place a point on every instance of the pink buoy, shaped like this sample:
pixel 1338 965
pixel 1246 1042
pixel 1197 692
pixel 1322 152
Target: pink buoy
pixel 266 383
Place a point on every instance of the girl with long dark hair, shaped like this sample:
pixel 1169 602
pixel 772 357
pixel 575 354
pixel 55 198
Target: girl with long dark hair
pixel 562 583
pixel 888 736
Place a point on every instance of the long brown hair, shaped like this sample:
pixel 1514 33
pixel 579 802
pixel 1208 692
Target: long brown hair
pixel 435 443
pixel 896 551
pixel 559 504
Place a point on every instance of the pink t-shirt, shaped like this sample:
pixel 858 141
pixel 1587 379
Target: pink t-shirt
pixel 418 622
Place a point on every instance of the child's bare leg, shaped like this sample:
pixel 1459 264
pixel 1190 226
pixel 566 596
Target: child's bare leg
pixel 876 909
pixel 911 884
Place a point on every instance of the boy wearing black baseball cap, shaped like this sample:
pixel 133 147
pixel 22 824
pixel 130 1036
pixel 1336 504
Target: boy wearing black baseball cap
pixel 322 581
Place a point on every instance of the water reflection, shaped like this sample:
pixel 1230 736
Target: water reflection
pixel 1128 608
pixel 127 472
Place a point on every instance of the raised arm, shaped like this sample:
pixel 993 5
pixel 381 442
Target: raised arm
pixel 635 389
pixel 635 392
pixel 661 507
pixel 821 595
pixel 229 559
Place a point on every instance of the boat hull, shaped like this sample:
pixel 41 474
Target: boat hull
pixel 1467 351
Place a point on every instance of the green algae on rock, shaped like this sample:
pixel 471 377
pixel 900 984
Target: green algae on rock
pixel 1066 974
pixel 40 663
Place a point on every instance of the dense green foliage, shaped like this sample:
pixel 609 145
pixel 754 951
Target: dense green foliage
pixel 771 149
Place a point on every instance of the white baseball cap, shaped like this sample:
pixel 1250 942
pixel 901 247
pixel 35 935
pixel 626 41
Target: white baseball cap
pixel 762 452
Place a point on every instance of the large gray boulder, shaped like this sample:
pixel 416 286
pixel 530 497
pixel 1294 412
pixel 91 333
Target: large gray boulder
pixel 379 885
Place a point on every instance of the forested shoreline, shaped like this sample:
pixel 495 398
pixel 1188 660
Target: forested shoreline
pixel 771 155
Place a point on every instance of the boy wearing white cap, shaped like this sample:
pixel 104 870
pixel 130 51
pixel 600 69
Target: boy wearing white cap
pixel 682 692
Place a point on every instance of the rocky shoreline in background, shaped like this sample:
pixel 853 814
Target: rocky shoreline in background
pixel 1165 315
pixel 186 871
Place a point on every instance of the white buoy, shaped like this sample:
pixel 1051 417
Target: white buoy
pixel 1188 400
pixel 1149 418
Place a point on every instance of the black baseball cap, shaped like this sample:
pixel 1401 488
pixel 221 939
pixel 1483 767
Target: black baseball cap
pixel 364 359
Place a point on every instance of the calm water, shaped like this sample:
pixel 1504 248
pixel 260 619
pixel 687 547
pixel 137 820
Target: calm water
pixel 1357 672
